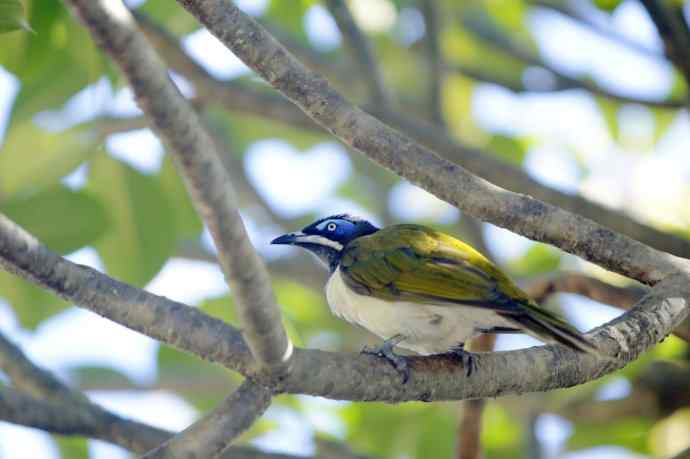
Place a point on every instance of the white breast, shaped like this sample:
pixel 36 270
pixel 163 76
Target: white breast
pixel 427 328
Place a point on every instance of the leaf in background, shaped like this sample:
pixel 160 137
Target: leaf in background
pixel 201 383
pixel 187 221
pixel 607 5
pixel 33 158
pixel 670 436
pixel 12 16
pixel 63 219
pixel 507 148
pixel 142 235
pixel 628 432
pixel 539 259
pixel 662 121
pixel 92 377
pixel 499 429
pixel 52 64
pixel 31 304
pixel 72 447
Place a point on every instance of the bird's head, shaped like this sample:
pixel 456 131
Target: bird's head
pixel 327 237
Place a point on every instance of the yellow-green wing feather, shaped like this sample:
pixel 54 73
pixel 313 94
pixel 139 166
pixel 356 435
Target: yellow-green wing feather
pixel 417 264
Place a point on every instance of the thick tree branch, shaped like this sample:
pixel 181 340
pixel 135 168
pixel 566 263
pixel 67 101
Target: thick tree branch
pixel 170 322
pixel 198 160
pixel 211 435
pixel 433 52
pixel 481 163
pixel 348 376
pixel 361 51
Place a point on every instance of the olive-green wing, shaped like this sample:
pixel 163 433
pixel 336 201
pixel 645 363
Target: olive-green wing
pixel 416 264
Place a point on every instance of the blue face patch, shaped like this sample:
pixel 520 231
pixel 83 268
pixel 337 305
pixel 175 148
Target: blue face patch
pixel 340 228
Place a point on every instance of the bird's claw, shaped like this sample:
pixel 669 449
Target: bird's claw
pixel 386 351
pixel 468 359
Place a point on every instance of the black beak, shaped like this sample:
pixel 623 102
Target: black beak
pixel 287 239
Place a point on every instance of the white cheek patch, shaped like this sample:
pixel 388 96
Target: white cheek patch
pixel 320 240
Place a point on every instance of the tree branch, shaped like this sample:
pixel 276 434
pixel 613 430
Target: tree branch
pixel 67 419
pixel 470 425
pixel 672 33
pixel 31 379
pixel 433 51
pixel 211 435
pixel 483 28
pixel 565 9
pixel 168 321
pixel 481 163
pixel 391 149
pixel 595 289
pixel 197 158
pixel 43 402
pixel 348 376
pixel 361 51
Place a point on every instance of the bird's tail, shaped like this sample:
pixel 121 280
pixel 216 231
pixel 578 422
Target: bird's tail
pixel 548 327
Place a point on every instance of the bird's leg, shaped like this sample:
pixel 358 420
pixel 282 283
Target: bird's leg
pixel 386 351
pixel 468 359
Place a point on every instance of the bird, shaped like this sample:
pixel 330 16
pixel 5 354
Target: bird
pixel 422 290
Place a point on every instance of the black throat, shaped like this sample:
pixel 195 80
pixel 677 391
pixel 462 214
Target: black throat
pixel 328 256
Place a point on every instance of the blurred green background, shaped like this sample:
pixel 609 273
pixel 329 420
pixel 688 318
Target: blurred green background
pixel 577 94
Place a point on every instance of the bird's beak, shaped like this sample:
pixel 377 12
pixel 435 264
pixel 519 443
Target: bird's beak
pixel 289 238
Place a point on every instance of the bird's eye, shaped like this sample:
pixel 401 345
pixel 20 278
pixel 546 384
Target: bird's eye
pixel 331 227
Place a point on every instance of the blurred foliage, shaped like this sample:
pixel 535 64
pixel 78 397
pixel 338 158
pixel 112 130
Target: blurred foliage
pixel 12 16
pixel 138 220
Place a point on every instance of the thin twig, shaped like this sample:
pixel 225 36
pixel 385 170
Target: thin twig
pixel 198 160
pixel 486 30
pixel 361 50
pixel 433 51
pixel 597 290
pixel 565 9
pixel 212 434
pixel 470 425
pixel 673 33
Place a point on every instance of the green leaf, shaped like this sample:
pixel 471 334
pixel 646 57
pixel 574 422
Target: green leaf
pixel 143 234
pixel 63 219
pixel 72 447
pixel 539 259
pixel 609 111
pixel 607 5
pixel 52 64
pixel 201 383
pixel 33 158
pixel 507 148
pixel 187 220
pixel 12 16
pixel 630 433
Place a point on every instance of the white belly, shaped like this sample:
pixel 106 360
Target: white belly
pixel 427 329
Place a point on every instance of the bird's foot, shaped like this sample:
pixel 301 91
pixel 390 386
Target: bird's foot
pixel 386 351
pixel 468 359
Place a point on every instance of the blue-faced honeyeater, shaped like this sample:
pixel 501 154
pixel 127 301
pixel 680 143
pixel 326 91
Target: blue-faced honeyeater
pixel 422 290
